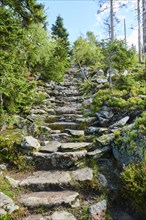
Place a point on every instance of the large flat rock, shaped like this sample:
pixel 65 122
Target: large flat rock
pixel 61 215
pixel 67 110
pixel 46 180
pixel 56 180
pixel 74 146
pixel 83 174
pixel 98 152
pixel 61 125
pixel 49 199
pixel 60 160
pixel 7 205
pixel 35 217
pixel 75 133
pixel 51 147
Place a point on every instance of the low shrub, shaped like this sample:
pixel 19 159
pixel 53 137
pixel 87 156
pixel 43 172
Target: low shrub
pixel 134 185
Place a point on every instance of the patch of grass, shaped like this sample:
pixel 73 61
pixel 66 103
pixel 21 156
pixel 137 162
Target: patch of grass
pixel 5 217
pixel 7 189
pixel 76 139
pixel 50 119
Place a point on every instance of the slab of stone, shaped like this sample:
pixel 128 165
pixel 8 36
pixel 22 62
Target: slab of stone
pixel 84 174
pixel 62 215
pixel 60 160
pixel 105 140
pixel 46 180
pixel 45 129
pixel 75 133
pixel 30 142
pixel 63 125
pixel 102 180
pixel 14 183
pixel 98 210
pixel 51 111
pixel 49 199
pixel 35 217
pixel 50 147
pixel 98 152
pixel 66 110
pixel 3 167
pixel 70 92
pixel 62 137
pixel 73 99
pixel 96 130
pixel 55 132
pixel 54 180
pixel 38 111
pixel 120 123
pixel 74 146
pixel 7 205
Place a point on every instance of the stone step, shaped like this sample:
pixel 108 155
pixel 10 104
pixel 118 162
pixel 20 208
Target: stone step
pixel 58 215
pixel 62 87
pixel 77 99
pixel 64 117
pixel 68 84
pixel 35 217
pixel 57 180
pixel 67 147
pixel 49 199
pixel 50 147
pixel 66 92
pixel 61 137
pixel 68 110
pixel 98 152
pixel 57 160
pixel 75 133
pixel 68 105
pixel 61 125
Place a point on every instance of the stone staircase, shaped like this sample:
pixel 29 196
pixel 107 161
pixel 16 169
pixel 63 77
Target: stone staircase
pixel 62 176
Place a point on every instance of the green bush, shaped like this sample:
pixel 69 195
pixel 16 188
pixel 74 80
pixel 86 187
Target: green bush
pixel 134 185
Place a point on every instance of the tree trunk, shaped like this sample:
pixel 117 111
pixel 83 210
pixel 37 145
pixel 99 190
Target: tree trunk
pixel 144 21
pixel 111 20
pixel 139 32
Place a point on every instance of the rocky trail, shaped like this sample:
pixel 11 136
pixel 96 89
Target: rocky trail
pixel 65 184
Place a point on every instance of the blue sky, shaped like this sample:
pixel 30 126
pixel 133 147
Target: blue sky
pixel 81 16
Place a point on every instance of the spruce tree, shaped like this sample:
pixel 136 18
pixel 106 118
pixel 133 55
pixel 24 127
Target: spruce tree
pixel 59 31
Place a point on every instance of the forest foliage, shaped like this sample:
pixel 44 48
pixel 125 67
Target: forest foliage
pixel 27 50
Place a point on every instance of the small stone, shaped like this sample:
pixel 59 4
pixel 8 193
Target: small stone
pixel 30 143
pixel 6 204
pixel 51 147
pixel 102 180
pixel 98 152
pixel 12 181
pixel 98 210
pixel 35 217
pixel 61 215
pixel 105 140
pixel 84 174
pixel 3 166
pixel 51 111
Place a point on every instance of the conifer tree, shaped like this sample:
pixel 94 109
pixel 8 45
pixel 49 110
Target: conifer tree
pixel 59 31
pixel 28 11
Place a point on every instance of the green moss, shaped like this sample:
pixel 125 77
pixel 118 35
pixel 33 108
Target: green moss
pixel 50 119
pixel 76 139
